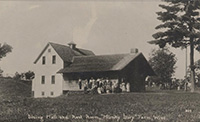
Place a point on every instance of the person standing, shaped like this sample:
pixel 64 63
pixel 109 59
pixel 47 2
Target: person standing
pixel 80 83
pixel 97 82
pixel 108 85
pixel 90 82
pixel 128 87
pixel 186 84
pixel 85 86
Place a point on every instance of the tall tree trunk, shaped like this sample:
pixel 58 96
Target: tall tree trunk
pixel 192 74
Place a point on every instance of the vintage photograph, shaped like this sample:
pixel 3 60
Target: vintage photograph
pixel 100 61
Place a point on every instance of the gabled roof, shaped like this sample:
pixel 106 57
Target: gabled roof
pixel 65 52
pixel 99 63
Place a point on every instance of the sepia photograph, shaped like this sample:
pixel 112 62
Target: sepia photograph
pixel 99 60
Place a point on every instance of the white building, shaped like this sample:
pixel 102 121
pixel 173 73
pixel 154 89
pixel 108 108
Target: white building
pixel 47 82
pixel 58 68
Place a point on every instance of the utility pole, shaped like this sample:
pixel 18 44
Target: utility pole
pixel 186 62
pixel 186 82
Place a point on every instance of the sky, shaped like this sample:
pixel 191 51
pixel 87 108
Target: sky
pixel 105 27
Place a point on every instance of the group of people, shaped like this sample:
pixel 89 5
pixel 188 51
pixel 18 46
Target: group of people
pixel 99 86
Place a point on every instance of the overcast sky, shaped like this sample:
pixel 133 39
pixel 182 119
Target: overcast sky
pixel 103 27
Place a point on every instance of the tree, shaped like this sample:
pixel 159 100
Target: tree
pixel 4 49
pixel 17 76
pixel 180 28
pixel 29 75
pixel 163 63
pixel 1 72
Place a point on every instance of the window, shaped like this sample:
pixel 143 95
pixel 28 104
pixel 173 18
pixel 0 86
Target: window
pixel 53 79
pixel 43 60
pixel 52 93
pixel 53 59
pixel 49 50
pixel 43 93
pixel 43 80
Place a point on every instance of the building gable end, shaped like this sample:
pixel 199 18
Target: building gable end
pixel 145 65
pixel 125 61
pixel 41 53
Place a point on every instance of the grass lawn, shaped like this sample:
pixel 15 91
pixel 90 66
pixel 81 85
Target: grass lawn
pixel 16 106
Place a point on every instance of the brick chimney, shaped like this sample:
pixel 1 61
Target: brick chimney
pixel 134 50
pixel 72 45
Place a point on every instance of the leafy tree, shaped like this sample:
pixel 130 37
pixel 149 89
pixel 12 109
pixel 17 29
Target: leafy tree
pixel 29 75
pixel 17 76
pixel 197 72
pixel 4 49
pixel 1 72
pixel 180 28
pixel 163 63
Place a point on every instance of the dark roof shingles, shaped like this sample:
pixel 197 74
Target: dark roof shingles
pixel 65 52
pixel 85 52
pixel 99 63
